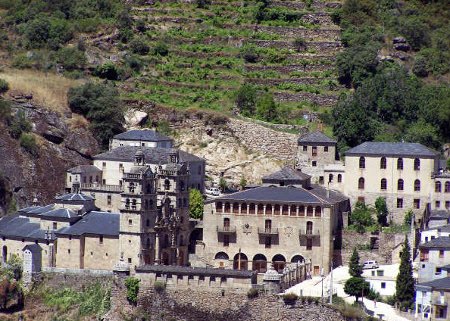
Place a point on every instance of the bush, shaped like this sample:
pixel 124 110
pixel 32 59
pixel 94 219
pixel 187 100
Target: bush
pixel 290 298
pixel 5 110
pixel 107 71
pixel 195 203
pixel 138 46
pixel 132 285
pixel 4 86
pixel 300 44
pixel 249 54
pixel 246 99
pixel 71 58
pixel 159 286
pixel 252 293
pixel 161 49
pixel 19 125
pixel 28 142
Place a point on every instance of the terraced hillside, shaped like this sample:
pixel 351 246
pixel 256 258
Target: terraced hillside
pixel 285 47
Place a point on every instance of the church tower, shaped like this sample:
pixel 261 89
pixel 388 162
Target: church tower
pixel 172 223
pixel 138 213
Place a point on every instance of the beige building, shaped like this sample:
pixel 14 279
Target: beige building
pixel 141 137
pixel 288 219
pixel 402 173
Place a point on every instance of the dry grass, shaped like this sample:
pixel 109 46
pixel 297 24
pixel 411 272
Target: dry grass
pixel 49 90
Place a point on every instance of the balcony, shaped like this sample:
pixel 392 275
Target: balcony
pixel 309 233
pixel 268 231
pixel 226 229
pixel 93 187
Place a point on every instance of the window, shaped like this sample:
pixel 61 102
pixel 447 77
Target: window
pixel 330 178
pixel 104 164
pixel 399 202
pixel 447 205
pixel 268 242
pixel 70 178
pixel 383 285
pixel 130 222
pixel 108 199
pixel 339 178
pixel 55 225
pixel 129 260
pixel 226 240
pixel 417 185
pixel 438 271
pixel 380 272
pixel 320 179
pixel 400 163
pixel 314 163
pixel 447 187
pixel 314 151
pixel 104 181
pixel 383 184
pixel 400 184
pixel 361 183
pixel 166 184
pixel 416 203
pixel 383 163
pixel 362 162
pixel 416 164
pixel 100 239
pixel 437 187
pixel 325 149
pixel 437 204
pixel 441 254
pixel 305 148
pixel 68 251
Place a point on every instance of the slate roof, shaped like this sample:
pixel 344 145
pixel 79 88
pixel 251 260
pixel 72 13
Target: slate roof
pixel 446 267
pixel 153 155
pixel 16 226
pixel 183 270
pixel 391 149
pixel 439 284
pixel 60 213
pixel 83 169
pixel 316 137
pixel 146 135
pixel 74 197
pixel 439 214
pixel 98 223
pixel 439 242
pixel 275 194
pixel 286 174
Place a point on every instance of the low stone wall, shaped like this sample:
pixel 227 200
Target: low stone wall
pixel 71 280
pixel 322 100
pixel 322 46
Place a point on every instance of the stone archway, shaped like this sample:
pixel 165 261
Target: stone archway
pixel 279 262
pixel 240 262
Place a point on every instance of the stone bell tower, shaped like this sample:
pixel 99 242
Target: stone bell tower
pixel 172 223
pixel 138 213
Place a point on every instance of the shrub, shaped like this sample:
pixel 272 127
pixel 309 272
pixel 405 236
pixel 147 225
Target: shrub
pixel 195 203
pixel 138 46
pixel 4 86
pixel 161 49
pixel 71 58
pixel 19 125
pixel 5 110
pixel 28 142
pixel 134 63
pixel 249 54
pixel 290 298
pixel 159 286
pixel 132 285
pixel 299 44
pixel 252 293
pixel 107 71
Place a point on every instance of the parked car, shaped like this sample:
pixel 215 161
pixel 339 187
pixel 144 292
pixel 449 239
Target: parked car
pixel 370 265
pixel 214 191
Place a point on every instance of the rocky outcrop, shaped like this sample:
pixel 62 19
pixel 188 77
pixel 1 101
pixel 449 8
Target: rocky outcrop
pixel 60 146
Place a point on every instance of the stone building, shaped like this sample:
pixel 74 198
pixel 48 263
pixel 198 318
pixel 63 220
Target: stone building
pixel 287 220
pixel 402 173
pixel 315 152
pixel 105 178
pixel 141 137
pixel 432 300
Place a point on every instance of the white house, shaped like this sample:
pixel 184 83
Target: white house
pixel 382 279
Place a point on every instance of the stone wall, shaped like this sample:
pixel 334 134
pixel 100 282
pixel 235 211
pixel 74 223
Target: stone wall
pixel 194 305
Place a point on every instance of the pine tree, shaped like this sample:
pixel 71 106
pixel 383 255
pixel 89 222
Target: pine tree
pixel 404 286
pixel 355 269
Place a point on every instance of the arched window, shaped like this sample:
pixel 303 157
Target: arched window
pixel 339 178
pixel 279 262
pixel 309 211
pixel 400 185
pixel 297 259
pixel 417 185
pixel 235 208
pixel 362 162
pixel 277 209
pixel 383 184
pixel 361 183
pixel 301 210
pixel 127 203
pixel 437 187
pixel 383 163
pixel 221 256
pixel 416 164
pixel 330 178
pixel 244 208
pixel 226 224
pixel 309 227
pixel 447 187
pixel 260 263
pixel 400 163
pixel 227 207
pixel 219 207
pixel 240 262
pixel 285 210
pixel 293 210
pixel 251 208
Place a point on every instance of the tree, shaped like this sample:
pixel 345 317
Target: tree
pixel 266 109
pixel 299 44
pixel 382 211
pixel 246 99
pixel 223 184
pixel 408 217
pixel 357 287
pixel 404 285
pixel 354 268
pixel 4 86
pixel 243 182
pixel 361 217
pixel 195 204
pixel 101 105
pixel 139 46
pixel 132 285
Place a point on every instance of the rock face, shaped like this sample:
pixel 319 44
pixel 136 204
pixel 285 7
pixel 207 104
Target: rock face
pixel 59 147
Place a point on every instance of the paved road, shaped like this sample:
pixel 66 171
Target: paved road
pixel 313 287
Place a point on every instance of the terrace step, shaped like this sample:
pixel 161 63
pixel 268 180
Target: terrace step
pixel 288 68
pixel 319 99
